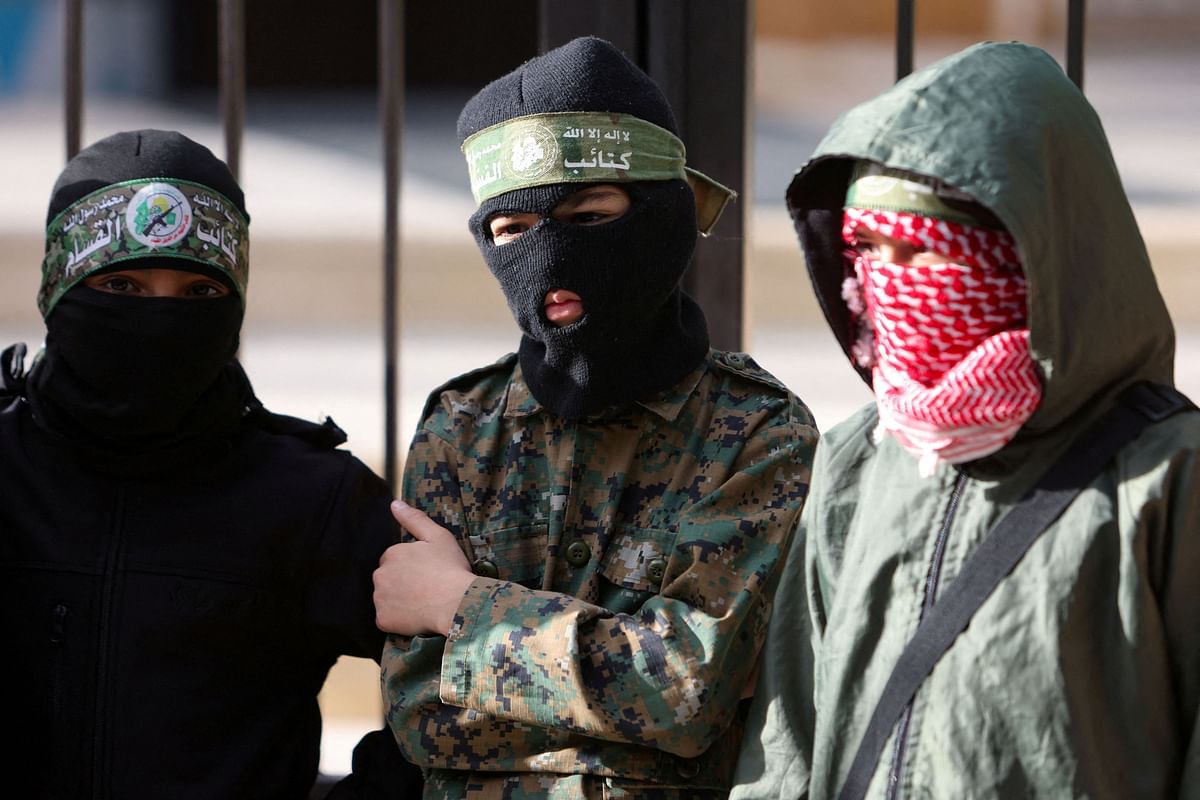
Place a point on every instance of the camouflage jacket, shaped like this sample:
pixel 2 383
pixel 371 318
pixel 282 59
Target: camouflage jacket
pixel 626 564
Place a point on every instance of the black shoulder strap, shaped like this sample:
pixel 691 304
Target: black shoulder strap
pixel 998 554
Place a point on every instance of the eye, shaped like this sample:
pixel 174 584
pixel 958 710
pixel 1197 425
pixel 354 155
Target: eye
pixel 589 218
pixel 511 229
pixel 508 227
pixel 593 206
pixel 207 289
pixel 116 284
pixel 864 246
pixel 503 234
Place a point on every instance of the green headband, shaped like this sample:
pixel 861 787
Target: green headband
pixel 571 147
pixel 150 217
pixel 881 188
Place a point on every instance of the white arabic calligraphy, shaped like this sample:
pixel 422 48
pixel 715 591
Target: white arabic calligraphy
pixel 602 159
pixel 483 151
pixel 82 215
pixel 106 232
pixel 218 237
pixel 490 174
pixel 212 236
pixel 227 245
pixel 616 134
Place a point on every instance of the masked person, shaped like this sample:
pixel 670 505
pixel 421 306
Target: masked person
pixel 969 240
pixel 179 568
pixel 614 496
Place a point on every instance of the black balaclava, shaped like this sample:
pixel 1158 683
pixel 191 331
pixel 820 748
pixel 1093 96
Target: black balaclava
pixel 137 385
pixel 640 333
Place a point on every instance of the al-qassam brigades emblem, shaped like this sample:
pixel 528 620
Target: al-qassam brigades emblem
pixel 158 215
pixel 163 217
pixel 533 153
pixel 584 147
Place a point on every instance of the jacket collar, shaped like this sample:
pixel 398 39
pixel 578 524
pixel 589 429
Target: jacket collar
pixel 666 404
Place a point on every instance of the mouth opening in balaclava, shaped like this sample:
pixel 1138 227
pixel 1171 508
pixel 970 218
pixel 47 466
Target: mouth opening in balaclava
pixel 581 115
pixel 639 333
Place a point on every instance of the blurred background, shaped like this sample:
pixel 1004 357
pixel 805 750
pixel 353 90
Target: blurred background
pixel 311 169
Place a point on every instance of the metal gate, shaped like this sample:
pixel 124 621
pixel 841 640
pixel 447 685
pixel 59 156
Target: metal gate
pixel 697 52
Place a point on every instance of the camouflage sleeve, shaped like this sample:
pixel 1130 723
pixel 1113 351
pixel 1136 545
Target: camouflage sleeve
pixel 410 664
pixel 670 675
pixel 776 751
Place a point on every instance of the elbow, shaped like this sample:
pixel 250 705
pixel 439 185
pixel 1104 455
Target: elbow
pixel 690 749
pixel 692 741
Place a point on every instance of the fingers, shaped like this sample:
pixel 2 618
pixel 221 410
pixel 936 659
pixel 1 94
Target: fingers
pixel 417 522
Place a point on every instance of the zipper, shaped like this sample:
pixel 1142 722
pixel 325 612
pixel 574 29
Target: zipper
pixel 58 625
pixel 928 598
pixel 58 633
pixel 100 787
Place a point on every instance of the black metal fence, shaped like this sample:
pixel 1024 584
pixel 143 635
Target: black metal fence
pixel 698 53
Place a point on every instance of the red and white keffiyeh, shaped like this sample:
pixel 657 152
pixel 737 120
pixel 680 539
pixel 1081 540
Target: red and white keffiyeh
pixel 947 342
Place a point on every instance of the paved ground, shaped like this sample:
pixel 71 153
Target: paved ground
pixel 312 176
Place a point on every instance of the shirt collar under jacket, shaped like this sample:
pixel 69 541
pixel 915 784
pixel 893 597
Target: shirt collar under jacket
pixel 666 404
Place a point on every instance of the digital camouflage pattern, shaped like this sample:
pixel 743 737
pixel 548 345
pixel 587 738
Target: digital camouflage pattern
pixel 160 217
pixel 626 565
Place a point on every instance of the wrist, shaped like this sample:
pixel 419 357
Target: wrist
pixel 457 586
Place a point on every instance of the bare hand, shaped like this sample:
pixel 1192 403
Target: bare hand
pixel 419 585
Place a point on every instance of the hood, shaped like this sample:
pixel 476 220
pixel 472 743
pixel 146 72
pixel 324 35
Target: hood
pixel 1001 122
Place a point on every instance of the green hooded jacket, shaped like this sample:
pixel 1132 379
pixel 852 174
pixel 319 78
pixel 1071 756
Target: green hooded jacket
pixel 1080 675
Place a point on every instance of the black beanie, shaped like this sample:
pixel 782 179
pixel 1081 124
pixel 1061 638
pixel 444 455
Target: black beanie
pixel 639 334
pixel 136 384
pixel 145 155
pixel 131 155
pixel 586 74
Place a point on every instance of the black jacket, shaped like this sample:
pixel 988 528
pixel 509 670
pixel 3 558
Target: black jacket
pixel 167 636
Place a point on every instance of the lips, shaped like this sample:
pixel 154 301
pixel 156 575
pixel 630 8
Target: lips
pixel 563 307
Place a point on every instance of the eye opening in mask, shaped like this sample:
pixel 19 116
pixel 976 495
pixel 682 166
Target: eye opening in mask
pixel 591 205
pixel 160 277
pixel 879 247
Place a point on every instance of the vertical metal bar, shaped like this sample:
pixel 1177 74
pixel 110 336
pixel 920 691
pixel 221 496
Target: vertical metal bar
pixel 905 16
pixel 391 107
pixel 1075 19
pixel 699 53
pixel 706 86
pixel 614 20
pixel 73 74
pixel 232 77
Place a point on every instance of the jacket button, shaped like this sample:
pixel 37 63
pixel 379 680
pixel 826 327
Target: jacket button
pixel 687 767
pixel 485 569
pixel 656 569
pixel 578 553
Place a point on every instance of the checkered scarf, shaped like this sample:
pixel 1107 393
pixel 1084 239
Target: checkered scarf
pixel 947 342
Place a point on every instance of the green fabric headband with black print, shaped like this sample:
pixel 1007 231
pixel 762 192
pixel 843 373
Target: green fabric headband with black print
pixel 571 147
pixel 881 188
pixel 146 218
